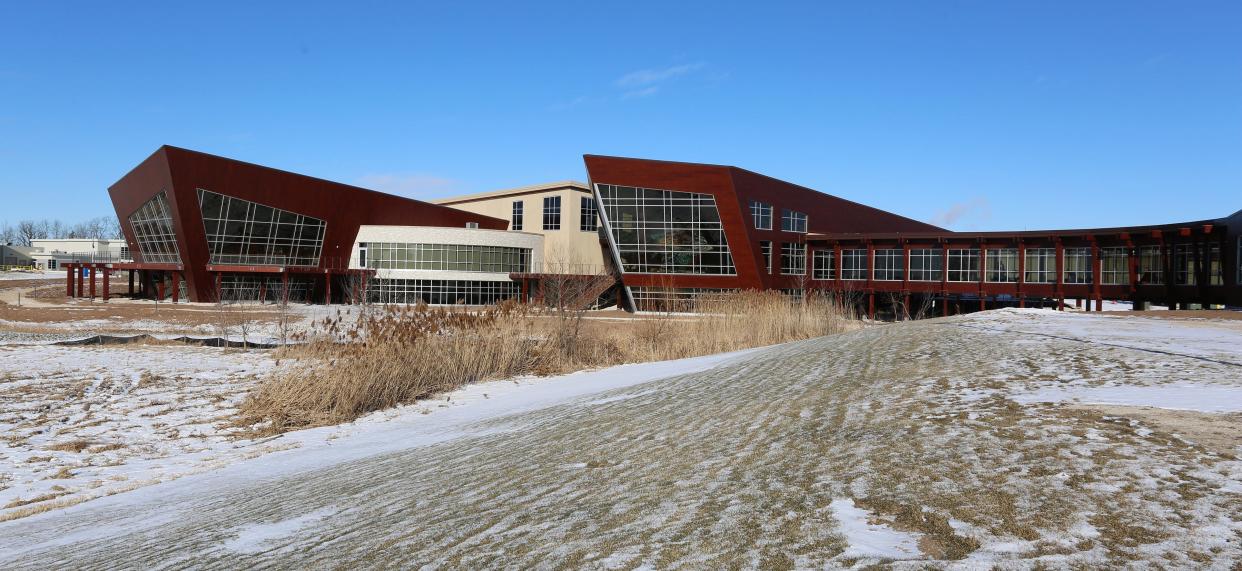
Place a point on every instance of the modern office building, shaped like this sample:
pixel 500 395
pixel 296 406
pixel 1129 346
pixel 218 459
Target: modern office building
pixel 678 230
pixel 203 227
pixel 659 233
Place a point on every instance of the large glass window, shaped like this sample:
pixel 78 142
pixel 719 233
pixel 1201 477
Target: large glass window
pixel 441 292
pixel 765 246
pixel 666 232
pixel 551 213
pixel 1002 265
pixel 964 265
pixel 926 264
pixel 1041 266
pixel 1184 265
pixel 1077 266
pixel 1151 266
pixel 454 257
pixel 587 215
pixel 153 229
pixel 249 233
pixel 518 214
pixel 1216 273
pixel 823 265
pixel 676 299
pixel 1114 266
pixel 761 214
pixel 793 221
pixel 889 265
pixel 854 264
pixel 793 259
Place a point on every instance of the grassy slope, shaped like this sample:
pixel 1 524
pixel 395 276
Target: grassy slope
pixel 737 467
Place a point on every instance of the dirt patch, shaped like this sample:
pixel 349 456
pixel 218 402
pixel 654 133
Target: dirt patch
pixel 1218 432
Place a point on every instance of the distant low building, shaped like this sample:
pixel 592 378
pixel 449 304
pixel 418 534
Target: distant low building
pixel 52 253
pixel 15 256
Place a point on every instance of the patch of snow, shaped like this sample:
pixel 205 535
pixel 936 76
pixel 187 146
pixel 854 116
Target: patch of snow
pixel 38 275
pixel 1196 397
pixel 252 538
pixel 872 540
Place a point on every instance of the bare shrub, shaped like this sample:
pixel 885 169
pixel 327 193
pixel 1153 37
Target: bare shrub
pixel 402 354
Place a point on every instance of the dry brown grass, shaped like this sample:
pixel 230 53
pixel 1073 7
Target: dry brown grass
pixel 403 354
pixel 71 446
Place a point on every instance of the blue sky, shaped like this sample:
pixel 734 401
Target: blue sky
pixel 973 115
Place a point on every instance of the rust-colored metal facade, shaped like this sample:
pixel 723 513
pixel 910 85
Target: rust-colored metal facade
pixel 835 225
pixel 180 173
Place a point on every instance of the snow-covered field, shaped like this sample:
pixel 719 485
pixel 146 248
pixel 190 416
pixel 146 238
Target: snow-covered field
pixel 1011 437
pixel 33 275
pixel 85 422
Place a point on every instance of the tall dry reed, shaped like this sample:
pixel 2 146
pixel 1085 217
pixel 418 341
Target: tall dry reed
pixel 403 354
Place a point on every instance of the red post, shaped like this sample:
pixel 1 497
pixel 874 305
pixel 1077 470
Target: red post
pixel 871 305
pixel 905 280
pixel 284 287
pixel 1021 273
pixel 106 284
pixel 159 289
pixel 262 290
pixel 81 282
pixel 1097 266
pixel 176 287
pixel 1060 276
pixel 68 281
pixel 327 288
pixel 983 272
pixel 131 283
pixel 944 279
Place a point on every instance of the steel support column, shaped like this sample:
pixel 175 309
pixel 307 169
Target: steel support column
pixel 1097 266
pixel 106 284
pixel 1060 264
pixel 983 270
pixel 176 286
pixel 1021 274
pixel 68 281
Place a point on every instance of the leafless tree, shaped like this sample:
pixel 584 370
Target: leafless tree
pixel 28 230
pixel 8 234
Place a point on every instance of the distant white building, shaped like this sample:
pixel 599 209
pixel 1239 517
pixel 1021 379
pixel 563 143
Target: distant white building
pixel 52 253
pixel 18 256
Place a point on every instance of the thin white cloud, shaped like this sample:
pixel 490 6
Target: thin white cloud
pixel 644 92
pixel 643 77
pixel 977 209
pixel 421 186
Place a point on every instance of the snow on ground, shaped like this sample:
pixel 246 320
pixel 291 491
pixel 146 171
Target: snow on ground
pixel 85 422
pixel 868 538
pixel 1182 396
pixel 34 275
pixel 907 445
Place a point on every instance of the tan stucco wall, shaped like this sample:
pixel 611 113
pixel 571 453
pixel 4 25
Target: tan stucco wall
pixel 569 250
